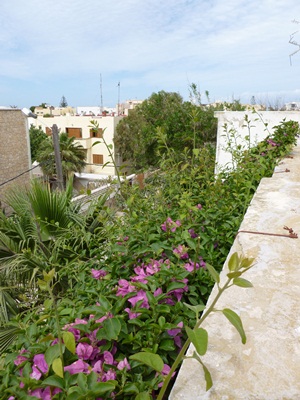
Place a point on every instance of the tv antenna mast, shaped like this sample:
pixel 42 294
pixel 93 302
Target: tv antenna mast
pixel 119 98
pixel 101 97
pixel 294 42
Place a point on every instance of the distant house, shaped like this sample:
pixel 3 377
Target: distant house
pixel 79 126
pixel 15 159
pixel 292 106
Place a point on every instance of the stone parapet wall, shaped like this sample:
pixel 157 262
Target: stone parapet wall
pixel 267 366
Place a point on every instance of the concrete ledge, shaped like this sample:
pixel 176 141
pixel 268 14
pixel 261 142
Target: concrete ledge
pixel 267 367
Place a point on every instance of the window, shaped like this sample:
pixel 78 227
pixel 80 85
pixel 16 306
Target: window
pixel 74 132
pixel 95 133
pixel 98 159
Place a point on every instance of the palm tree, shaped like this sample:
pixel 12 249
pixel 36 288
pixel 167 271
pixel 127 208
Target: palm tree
pixel 72 154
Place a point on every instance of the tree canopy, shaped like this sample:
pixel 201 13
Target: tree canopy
pixel 37 136
pixel 184 125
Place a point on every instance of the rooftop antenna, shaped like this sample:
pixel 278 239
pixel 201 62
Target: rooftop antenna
pixel 119 98
pixel 292 41
pixel 101 97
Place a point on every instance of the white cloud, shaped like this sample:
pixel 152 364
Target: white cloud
pixel 234 46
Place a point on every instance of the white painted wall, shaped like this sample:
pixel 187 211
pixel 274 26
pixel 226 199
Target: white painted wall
pixel 258 131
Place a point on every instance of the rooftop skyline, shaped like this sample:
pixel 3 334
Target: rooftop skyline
pixel 235 49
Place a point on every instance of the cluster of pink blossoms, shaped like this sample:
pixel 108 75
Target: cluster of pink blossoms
pixel 89 354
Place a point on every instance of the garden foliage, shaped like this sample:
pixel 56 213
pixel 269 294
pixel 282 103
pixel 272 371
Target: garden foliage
pixel 136 293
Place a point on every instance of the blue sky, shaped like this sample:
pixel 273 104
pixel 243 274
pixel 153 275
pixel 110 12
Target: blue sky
pixel 232 48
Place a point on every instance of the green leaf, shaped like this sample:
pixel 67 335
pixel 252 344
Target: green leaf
pixel 175 285
pixel 247 262
pixel 82 381
pixel 101 388
pixel 233 262
pixel 235 274
pixel 58 367
pixel 199 338
pixel 236 322
pixel 143 396
pixel 110 330
pixel 52 353
pixel 152 360
pixel 214 274
pixel 42 284
pixel 207 377
pixel 55 381
pixel 69 341
pixel 197 309
pixel 242 282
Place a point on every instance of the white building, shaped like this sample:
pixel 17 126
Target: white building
pixel 97 154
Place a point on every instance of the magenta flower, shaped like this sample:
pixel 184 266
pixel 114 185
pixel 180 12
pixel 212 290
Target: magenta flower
pixel 84 351
pixel 169 224
pixel 98 367
pixel 123 364
pixel 157 292
pixel 131 314
pixel 181 252
pixel 199 206
pixel 44 394
pixel 98 273
pixel 165 372
pixel 109 375
pixel 141 295
pixel 192 233
pixel 176 334
pixel 77 367
pixel 141 275
pixel 108 358
pixel 124 288
pixel 39 366
pixel 20 358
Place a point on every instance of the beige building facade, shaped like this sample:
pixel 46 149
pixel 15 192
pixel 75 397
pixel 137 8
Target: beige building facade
pixel 97 154
pixel 15 157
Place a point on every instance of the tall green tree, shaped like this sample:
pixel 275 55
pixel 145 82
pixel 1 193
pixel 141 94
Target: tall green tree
pixel 36 136
pixel 73 156
pixel 184 124
pixel 63 102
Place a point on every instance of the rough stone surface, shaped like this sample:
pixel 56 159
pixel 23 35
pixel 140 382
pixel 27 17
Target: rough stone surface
pixel 267 367
pixel 14 150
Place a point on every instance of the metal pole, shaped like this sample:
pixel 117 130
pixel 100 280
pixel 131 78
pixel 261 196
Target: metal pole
pixel 60 178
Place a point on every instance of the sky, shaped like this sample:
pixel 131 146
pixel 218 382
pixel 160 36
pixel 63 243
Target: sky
pixel 97 52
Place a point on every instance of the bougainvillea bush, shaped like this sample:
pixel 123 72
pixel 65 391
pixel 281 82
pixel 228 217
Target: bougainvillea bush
pixel 119 326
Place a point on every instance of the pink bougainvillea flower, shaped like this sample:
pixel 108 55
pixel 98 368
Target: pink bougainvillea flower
pixel 192 233
pixel 123 364
pixel 98 367
pixel 157 292
pixel 131 314
pixel 108 358
pixel 181 252
pixel 165 372
pixel 124 288
pixel 20 358
pixel 39 366
pixel 44 394
pixel 176 334
pixel 141 295
pixel 98 273
pixel 77 367
pixel 140 275
pixel 84 351
pixel 199 206
pixel 109 375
